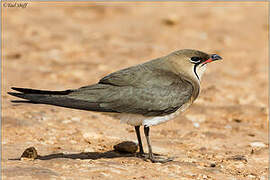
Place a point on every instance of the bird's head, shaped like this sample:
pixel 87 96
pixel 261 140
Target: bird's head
pixel 191 62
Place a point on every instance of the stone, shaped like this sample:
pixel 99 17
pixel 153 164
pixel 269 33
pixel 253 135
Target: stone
pixel 126 147
pixel 29 154
pixel 257 144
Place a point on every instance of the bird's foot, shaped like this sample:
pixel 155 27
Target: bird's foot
pixel 159 159
pixel 142 155
pixel 154 159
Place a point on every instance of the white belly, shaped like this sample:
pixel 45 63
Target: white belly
pixel 151 121
pixel 138 119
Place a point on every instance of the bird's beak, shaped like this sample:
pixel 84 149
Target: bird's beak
pixel 213 57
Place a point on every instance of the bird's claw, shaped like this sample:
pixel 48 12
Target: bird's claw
pixel 160 159
pixel 154 159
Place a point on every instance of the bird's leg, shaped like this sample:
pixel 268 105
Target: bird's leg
pixel 146 133
pixel 151 156
pixel 137 128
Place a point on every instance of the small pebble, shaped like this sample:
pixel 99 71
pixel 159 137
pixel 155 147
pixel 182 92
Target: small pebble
pixel 238 158
pixel 171 20
pixel 251 176
pixel 257 144
pixel 29 154
pixel 66 121
pixel 126 147
pixel 237 120
pixel 76 119
pixel 88 150
pixel 196 124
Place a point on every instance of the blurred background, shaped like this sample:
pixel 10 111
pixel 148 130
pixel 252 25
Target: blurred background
pixel 68 45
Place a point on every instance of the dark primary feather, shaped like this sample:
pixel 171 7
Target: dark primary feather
pixel 52 98
pixel 144 89
pixel 37 91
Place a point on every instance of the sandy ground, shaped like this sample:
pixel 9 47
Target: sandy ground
pixel 59 46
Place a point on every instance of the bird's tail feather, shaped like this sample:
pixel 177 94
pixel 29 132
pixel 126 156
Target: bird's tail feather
pixel 37 91
pixel 37 96
pixel 57 98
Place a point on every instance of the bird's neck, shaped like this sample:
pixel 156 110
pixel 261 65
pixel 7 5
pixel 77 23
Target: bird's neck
pixel 195 82
pixel 186 73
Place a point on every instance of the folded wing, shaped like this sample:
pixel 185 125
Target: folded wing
pixel 141 89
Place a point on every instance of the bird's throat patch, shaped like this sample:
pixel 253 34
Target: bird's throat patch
pixel 195 71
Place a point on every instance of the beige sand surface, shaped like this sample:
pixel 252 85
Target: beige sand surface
pixel 59 46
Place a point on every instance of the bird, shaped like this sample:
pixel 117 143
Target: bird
pixel 145 95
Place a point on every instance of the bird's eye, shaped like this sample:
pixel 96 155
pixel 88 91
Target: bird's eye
pixel 195 59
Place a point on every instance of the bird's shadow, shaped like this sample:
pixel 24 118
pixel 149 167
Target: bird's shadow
pixel 85 155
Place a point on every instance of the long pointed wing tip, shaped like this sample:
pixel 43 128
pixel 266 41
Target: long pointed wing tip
pixel 16 88
pixel 15 94
pixel 11 93
pixel 23 101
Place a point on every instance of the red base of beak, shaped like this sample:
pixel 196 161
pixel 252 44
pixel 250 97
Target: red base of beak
pixel 208 61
